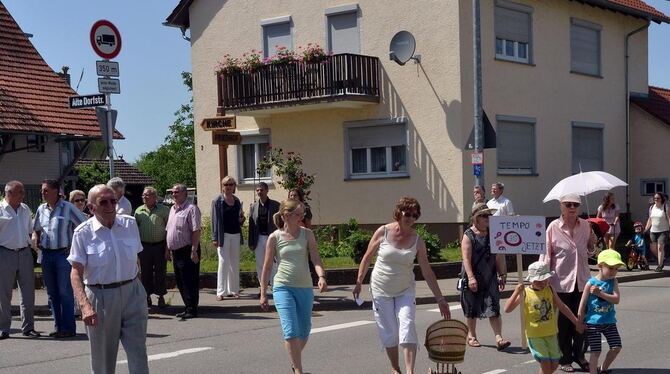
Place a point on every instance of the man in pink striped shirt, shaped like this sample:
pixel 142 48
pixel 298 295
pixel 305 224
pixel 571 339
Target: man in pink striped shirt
pixel 569 239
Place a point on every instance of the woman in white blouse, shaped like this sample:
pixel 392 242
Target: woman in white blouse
pixel 658 225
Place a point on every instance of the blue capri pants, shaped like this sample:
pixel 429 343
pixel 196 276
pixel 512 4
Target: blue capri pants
pixel 294 306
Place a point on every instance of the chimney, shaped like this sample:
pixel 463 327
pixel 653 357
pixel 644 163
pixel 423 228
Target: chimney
pixel 65 75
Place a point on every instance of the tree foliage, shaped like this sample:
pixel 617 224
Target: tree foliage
pixel 174 160
pixel 90 175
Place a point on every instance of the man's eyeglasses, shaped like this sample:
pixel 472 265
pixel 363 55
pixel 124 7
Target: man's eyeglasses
pixel 410 214
pixel 176 192
pixel 107 202
pixel 571 205
pixel 79 200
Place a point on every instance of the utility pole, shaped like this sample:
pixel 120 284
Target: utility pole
pixel 477 64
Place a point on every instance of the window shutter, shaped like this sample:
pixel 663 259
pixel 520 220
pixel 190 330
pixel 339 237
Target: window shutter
pixel 585 49
pixel 377 136
pixel 516 146
pixel 512 24
pixel 587 149
pixel 276 35
pixel 343 33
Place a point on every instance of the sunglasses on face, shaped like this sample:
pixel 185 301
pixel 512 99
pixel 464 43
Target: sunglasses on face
pixel 107 202
pixel 229 184
pixel 410 214
pixel 79 200
pixel 571 205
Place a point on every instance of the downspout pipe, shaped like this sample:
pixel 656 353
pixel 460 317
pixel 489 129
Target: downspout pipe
pixel 626 78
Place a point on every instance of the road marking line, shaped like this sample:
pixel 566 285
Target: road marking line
pixel 340 326
pixel 496 371
pixel 528 362
pixel 161 356
pixel 451 307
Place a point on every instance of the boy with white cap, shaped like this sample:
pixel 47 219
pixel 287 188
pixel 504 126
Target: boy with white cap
pixel 596 308
pixel 540 302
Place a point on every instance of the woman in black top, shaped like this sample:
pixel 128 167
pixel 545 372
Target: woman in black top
pixel 227 220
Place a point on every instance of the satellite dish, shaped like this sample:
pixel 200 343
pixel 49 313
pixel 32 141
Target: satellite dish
pixel 402 48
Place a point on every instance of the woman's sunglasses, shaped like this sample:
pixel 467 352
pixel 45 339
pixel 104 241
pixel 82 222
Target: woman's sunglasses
pixel 410 214
pixel 79 200
pixel 571 205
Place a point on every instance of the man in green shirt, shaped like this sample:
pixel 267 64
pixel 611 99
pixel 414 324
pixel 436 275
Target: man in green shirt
pixel 151 221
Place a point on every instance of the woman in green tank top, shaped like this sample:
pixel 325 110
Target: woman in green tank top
pixel 292 290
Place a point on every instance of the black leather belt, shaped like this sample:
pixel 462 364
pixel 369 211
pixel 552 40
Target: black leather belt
pixel 14 250
pixel 111 285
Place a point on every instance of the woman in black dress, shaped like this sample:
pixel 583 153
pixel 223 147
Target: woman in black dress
pixel 481 297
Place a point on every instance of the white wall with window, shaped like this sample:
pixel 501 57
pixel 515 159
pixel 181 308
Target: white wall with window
pixel 515 145
pixel 250 152
pixel 376 149
pixel 513 31
pixel 648 187
pixel 585 47
pixel 587 146
pixel 36 143
pixel 343 30
pixel 276 32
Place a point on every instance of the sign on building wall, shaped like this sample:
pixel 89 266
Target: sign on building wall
pixel 517 234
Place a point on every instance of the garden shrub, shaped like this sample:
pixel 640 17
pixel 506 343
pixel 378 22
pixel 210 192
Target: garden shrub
pixel 433 245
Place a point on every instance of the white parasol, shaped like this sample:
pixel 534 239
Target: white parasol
pixel 583 184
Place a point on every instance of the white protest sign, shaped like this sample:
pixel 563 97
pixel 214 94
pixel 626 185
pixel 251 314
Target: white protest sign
pixel 517 234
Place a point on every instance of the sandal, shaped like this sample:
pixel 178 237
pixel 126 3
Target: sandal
pixel 567 368
pixel 502 344
pixel 219 298
pixel 608 371
pixel 473 342
pixel 584 365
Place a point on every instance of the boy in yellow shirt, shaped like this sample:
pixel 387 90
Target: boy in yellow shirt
pixel 540 302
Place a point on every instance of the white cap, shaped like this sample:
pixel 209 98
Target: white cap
pixel 570 198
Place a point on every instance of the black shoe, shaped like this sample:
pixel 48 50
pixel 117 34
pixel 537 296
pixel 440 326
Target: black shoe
pixel 658 269
pixel 32 334
pixel 4 335
pixel 65 334
pixel 53 334
pixel 161 302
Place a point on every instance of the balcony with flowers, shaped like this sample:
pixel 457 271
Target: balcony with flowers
pixel 306 79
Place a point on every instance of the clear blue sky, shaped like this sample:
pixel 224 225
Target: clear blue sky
pixel 153 56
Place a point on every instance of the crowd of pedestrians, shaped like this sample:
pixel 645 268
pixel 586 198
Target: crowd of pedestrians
pixel 94 249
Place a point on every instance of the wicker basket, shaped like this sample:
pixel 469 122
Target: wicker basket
pixel 445 341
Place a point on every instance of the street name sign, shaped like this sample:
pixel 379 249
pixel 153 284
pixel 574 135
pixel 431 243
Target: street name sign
pixel 87 101
pixel 219 123
pixel 107 68
pixel 109 85
pixel 105 39
pixel 226 138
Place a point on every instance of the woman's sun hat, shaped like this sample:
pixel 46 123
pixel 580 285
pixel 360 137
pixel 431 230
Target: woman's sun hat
pixel 481 209
pixel 610 257
pixel 539 271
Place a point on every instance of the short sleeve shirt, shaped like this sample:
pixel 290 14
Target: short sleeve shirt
pixel 182 222
pixel 123 206
pixel 108 255
pixel 57 225
pixel 503 205
pixel 152 222
pixel 14 226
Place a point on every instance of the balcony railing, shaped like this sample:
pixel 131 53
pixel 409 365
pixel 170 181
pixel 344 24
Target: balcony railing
pixel 340 77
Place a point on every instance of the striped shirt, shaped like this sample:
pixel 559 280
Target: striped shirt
pixel 152 222
pixel 57 225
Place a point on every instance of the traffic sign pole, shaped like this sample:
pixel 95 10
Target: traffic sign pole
pixel 110 136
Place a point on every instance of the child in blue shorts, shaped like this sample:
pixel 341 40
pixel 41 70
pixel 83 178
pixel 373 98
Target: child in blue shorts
pixel 596 308
pixel 639 246
pixel 540 302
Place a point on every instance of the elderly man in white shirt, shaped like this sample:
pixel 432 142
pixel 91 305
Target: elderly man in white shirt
pixel 123 205
pixel 104 278
pixel 16 260
pixel 498 201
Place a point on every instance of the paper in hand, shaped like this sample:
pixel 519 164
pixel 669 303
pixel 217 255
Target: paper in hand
pixel 359 301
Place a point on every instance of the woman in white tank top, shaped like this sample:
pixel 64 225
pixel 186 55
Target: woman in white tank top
pixel 392 282
pixel 658 225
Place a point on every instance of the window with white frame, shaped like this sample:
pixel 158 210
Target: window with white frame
pixel 515 142
pixel 651 186
pixel 587 147
pixel 342 29
pixel 585 47
pixel 513 30
pixel 36 143
pixel 377 150
pixel 276 33
pixel 250 152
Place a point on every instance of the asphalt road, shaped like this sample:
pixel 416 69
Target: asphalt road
pixel 341 342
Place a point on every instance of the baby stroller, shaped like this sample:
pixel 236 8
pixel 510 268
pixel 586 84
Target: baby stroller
pixel 445 343
pixel 600 228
